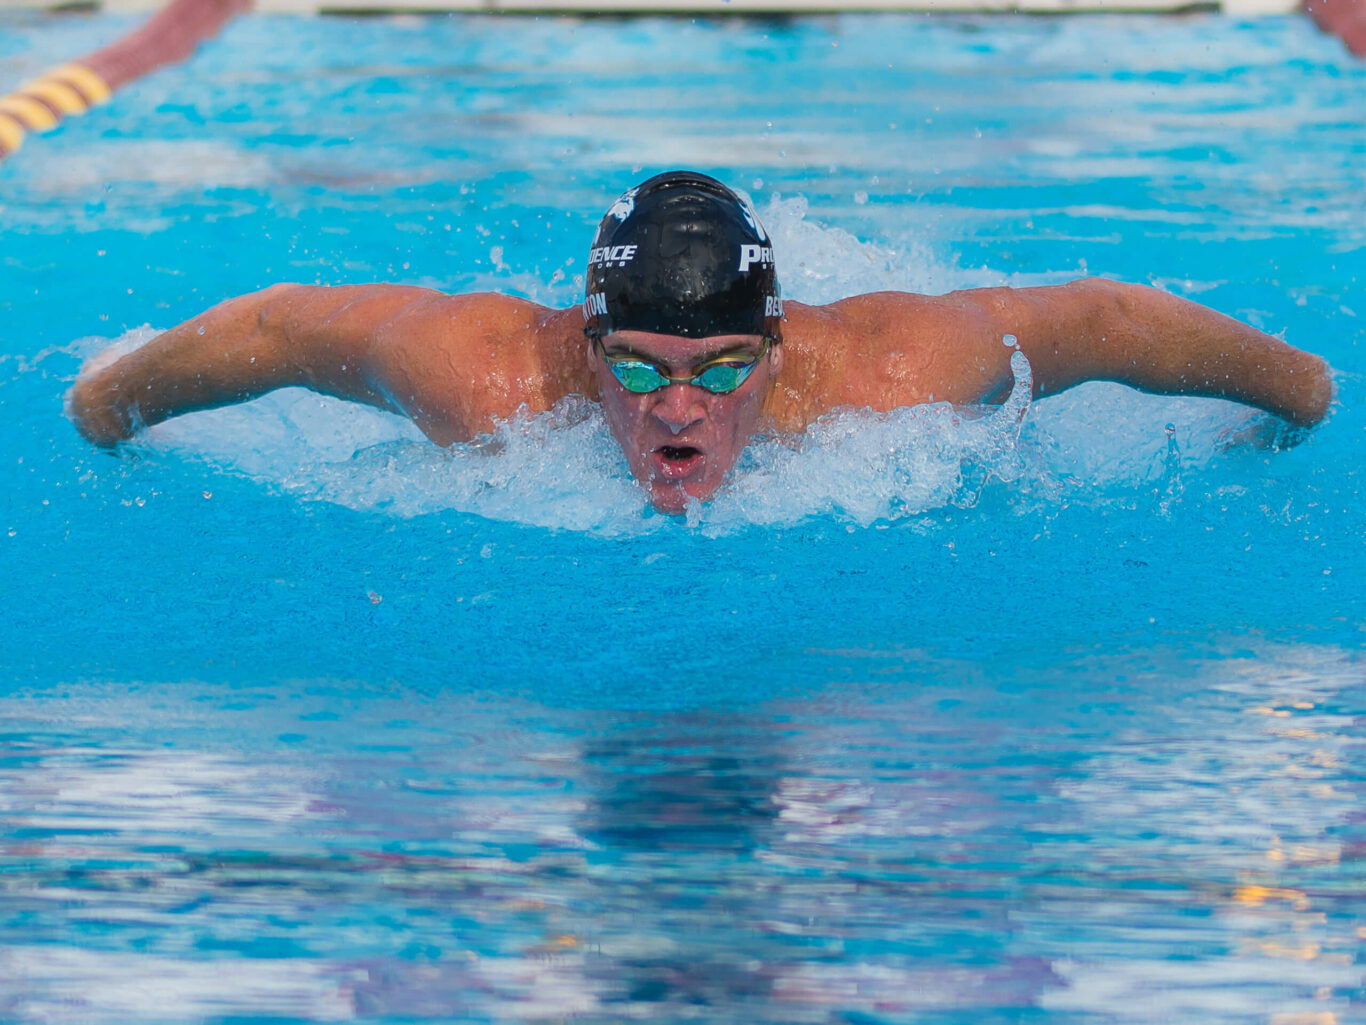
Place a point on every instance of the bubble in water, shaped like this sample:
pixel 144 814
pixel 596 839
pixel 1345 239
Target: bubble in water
pixel 1171 485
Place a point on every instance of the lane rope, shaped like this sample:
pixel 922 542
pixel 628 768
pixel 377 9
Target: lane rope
pixel 40 105
pixel 169 36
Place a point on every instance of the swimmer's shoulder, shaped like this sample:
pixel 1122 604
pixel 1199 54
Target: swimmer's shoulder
pixel 476 317
pixel 871 350
pixel 457 364
pixel 403 317
pixel 878 317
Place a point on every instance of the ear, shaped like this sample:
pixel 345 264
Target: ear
pixel 590 355
pixel 775 359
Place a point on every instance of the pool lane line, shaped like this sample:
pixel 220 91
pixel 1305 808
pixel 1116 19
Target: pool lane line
pixel 168 37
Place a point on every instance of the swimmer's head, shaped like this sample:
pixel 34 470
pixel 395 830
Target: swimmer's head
pixel 683 255
pixel 682 312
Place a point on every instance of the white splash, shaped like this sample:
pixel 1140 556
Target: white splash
pixel 558 469
pixel 563 470
pixel 819 264
pixel 864 467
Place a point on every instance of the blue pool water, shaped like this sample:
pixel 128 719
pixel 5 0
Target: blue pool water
pixel 1048 714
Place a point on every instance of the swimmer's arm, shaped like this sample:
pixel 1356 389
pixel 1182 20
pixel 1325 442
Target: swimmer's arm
pixel 319 338
pixel 1096 329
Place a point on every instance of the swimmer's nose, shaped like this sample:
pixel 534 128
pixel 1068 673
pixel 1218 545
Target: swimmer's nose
pixel 678 408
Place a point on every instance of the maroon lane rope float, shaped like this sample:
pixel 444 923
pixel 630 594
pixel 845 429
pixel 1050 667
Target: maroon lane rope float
pixel 1344 18
pixel 170 35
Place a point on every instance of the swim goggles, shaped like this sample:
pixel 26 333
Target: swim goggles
pixel 719 377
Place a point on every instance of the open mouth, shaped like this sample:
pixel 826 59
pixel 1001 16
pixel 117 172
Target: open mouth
pixel 677 455
pixel 673 462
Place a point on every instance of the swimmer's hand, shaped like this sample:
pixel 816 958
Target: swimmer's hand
pixel 93 411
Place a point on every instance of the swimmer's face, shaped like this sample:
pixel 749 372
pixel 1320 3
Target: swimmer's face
pixel 681 440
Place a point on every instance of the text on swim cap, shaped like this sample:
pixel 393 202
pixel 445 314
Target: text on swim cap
pixel 755 254
pixel 610 255
pixel 594 305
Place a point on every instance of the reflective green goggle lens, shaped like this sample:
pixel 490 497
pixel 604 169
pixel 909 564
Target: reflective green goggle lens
pixel 643 377
pixel 718 378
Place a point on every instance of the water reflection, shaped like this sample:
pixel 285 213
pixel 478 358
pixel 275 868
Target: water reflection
pixel 699 785
pixel 1101 838
pixel 742 867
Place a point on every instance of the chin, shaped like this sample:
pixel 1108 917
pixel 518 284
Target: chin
pixel 671 500
pixel 674 499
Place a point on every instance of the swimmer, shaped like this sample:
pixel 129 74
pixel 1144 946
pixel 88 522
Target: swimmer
pixel 685 341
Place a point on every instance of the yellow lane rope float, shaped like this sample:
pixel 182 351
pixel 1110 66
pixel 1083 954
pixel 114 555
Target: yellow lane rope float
pixel 40 105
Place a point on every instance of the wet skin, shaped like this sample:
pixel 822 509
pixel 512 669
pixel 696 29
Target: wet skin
pixel 681 440
pixel 457 366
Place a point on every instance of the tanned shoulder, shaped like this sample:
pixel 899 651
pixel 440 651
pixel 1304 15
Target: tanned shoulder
pixel 458 364
pixel 885 350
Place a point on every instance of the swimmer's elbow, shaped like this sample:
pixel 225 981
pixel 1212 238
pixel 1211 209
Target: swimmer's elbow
pixel 277 333
pixel 273 311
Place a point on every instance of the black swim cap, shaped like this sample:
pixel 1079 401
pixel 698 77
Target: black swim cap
pixel 681 254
